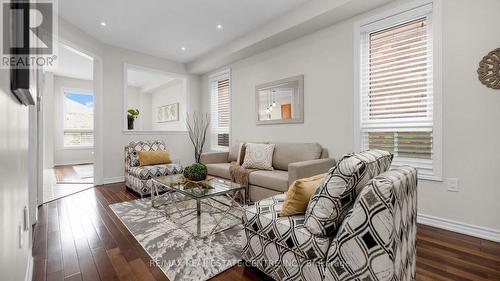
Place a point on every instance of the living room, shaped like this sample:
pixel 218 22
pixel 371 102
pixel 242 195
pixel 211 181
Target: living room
pixel 271 99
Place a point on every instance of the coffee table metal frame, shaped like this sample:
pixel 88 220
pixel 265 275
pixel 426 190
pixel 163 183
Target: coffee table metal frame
pixel 170 202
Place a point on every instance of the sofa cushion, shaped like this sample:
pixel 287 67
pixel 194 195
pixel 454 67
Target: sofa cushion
pixel 263 219
pixel 219 170
pixel 276 180
pixel 286 153
pixel 148 172
pixel 257 193
pixel 234 150
pixel 299 194
pixel 258 156
pixel 147 158
pixel 332 201
pixel 235 146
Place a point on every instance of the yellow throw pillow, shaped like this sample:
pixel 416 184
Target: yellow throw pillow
pixel 299 194
pixel 154 157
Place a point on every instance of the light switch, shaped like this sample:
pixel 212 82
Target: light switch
pixel 452 184
pixel 21 240
pixel 26 219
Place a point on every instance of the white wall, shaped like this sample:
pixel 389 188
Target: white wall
pixel 14 260
pixel 54 152
pixel 114 138
pixel 141 101
pixel 48 120
pixel 173 92
pixel 149 101
pixel 325 59
pixel 66 156
pixel 134 98
pixel 147 116
pixel 470 110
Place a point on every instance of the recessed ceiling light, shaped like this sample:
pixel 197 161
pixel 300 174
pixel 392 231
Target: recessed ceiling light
pixel 103 23
pixel 183 48
pixel 219 26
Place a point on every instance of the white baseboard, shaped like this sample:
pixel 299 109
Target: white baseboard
pixel 460 227
pixel 67 163
pixel 29 269
pixel 114 180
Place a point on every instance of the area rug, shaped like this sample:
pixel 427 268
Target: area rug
pixel 177 253
pixel 84 171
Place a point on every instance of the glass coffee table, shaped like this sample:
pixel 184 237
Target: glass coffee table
pixel 213 204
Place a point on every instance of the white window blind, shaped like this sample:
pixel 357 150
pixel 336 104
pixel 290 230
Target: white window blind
pixel 396 88
pixel 220 110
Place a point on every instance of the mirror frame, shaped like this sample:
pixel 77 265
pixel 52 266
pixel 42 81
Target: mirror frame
pixel 185 79
pixel 300 119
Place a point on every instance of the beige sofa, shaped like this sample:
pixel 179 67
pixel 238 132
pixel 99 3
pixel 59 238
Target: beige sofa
pixel 291 161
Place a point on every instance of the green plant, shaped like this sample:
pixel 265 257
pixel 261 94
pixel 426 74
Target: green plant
pixel 131 116
pixel 196 172
pixel 133 113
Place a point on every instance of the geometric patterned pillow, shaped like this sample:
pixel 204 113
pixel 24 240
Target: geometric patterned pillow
pixel 332 201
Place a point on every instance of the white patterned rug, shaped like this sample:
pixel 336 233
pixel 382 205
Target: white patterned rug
pixel 84 171
pixel 178 254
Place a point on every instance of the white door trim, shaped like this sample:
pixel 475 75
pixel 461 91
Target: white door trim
pixel 98 110
pixel 98 119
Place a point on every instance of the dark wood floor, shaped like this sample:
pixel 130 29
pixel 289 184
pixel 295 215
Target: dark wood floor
pixel 66 174
pixel 62 181
pixel 79 238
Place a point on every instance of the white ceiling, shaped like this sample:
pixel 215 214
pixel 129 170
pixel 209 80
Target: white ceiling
pixel 147 80
pixel 308 18
pixel 162 27
pixel 72 63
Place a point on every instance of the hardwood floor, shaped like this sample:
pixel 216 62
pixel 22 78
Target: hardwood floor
pixel 78 238
pixel 62 181
pixel 67 174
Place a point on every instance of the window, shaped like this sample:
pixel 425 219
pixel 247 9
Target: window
pixel 397 89
pixel 220 110
pixel 78 119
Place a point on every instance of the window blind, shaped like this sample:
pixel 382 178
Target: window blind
pixel 220 110
pixel 396 83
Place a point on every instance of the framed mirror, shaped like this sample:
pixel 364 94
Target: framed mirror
pixel 154 100
pixel 280 102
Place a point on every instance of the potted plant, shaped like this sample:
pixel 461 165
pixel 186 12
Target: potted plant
pixel 131 116
pixel 196 172
pixel 197 126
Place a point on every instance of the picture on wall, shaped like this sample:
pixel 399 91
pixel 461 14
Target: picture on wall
pixel 168 113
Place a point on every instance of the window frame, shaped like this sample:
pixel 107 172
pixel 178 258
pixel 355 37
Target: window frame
pixel 399 15
pixel 79 91
pixel 214 78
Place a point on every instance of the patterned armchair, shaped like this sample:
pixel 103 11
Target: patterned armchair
pixel 374 241
pixel 139 178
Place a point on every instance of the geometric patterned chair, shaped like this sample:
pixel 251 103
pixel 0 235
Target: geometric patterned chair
pixel 377 241
pixel 374 241
pixel 139 178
